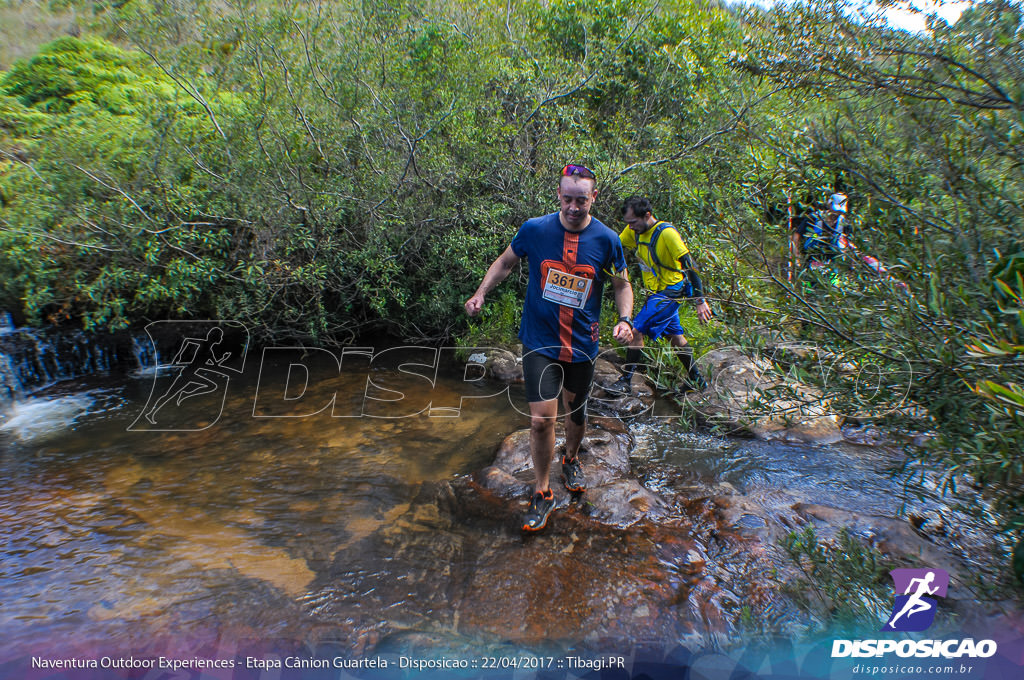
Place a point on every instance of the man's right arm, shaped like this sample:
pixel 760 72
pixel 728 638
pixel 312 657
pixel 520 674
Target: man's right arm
pixel 496 273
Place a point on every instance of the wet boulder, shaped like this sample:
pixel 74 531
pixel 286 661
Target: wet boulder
pixel 747 396
pixel 624 502
pixel 506 367
pixel 603 399
pixel 612 497
pixel 605 372
pixel 500 364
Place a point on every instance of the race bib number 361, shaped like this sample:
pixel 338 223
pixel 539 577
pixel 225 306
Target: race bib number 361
pixel 566 289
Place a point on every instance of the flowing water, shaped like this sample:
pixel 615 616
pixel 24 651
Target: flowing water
pixel 303 525
pixel 105 528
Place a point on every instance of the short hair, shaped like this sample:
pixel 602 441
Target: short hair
pixel 640 205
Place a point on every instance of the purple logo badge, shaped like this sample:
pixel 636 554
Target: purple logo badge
pixel 914 610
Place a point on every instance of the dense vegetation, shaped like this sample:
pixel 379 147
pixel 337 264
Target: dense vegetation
pixel 329 170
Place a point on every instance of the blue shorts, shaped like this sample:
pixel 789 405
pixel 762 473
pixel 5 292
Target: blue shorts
pixel 659 316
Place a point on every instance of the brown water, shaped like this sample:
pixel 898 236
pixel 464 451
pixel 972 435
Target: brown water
pixel 109 534
pixel 318 528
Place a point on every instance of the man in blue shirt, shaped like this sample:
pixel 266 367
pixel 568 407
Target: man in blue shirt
pixel 570 255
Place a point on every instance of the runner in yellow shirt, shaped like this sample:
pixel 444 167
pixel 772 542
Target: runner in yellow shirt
pixel 669 273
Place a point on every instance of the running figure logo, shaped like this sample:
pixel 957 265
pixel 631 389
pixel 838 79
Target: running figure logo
pixel 914 610
pixel 205 360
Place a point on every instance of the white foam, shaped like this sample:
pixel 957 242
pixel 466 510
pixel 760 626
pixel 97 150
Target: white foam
pixel 38 418
pixel 155 371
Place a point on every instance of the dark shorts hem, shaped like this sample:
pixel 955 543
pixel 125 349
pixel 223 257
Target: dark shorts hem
pixel 544 377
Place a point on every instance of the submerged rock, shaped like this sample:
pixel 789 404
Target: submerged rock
pixel 615 565
pixel 464 567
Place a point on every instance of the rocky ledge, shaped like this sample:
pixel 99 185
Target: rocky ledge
pixel 638 557
pixel 746 397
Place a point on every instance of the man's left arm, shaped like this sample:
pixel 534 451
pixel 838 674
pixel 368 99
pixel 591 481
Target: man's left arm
pixel 697 286
pixel 623 331
pixel 676 251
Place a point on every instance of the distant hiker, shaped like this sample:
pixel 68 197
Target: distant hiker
pixel 820 236
pixel 670 274
pixel 570 256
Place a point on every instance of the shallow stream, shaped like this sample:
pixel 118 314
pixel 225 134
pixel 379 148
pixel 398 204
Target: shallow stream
pixel 312 528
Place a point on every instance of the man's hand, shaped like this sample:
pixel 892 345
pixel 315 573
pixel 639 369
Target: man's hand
pixel 622 332
pixel 474 304
pixel 496 273
pixel 704 312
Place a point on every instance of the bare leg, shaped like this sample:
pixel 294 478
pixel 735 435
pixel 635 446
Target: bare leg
pixel 678 340
pixel 542 441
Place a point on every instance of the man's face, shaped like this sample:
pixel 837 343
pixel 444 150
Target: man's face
pixel 637 224
pixel 575 196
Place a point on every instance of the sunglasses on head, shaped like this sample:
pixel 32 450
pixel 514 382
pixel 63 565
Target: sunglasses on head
pixel 580 170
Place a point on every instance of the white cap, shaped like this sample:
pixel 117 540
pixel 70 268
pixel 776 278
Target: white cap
pixel 837 202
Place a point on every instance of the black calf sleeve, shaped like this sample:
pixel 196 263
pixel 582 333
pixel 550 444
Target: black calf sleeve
pixel 632 359
pixel 578 408
pixel 685 354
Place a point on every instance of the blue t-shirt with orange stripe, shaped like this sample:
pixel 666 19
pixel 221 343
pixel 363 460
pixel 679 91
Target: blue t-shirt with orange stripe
pixel 560 331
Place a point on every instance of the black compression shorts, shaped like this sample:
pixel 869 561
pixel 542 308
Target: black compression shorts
pixel 545 378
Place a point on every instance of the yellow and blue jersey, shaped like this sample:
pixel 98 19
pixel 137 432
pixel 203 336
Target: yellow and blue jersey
pixel 663 270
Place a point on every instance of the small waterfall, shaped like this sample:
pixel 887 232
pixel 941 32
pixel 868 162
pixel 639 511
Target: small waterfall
pixel 146 358
pixel 10 385
pixel 31 359
pixel 6 322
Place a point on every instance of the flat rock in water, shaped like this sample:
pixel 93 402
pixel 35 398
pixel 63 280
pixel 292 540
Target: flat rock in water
pixel 624 502
pixel 463 565
pixel 604 455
